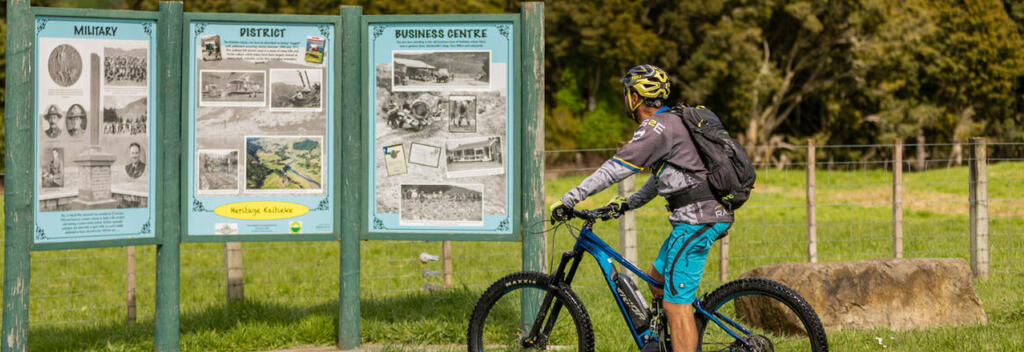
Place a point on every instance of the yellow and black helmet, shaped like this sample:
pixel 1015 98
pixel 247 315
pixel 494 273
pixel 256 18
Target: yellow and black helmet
pixel 649 82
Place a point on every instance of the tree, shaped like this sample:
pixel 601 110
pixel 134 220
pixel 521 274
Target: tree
pixel 598 40
pixel 945 69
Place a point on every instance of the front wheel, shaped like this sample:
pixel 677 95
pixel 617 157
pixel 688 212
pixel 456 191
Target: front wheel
pixel 496 321
pixel 777 318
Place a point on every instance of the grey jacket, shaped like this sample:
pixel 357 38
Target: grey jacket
pixel 663 144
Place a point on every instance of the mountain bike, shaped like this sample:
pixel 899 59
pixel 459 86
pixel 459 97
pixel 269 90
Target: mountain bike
pixel 749 314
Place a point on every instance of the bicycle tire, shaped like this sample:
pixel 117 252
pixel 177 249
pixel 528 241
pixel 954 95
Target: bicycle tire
pixel 515 284
pixel 808 335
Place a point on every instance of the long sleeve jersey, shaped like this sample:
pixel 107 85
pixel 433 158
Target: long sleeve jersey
pixel 663 144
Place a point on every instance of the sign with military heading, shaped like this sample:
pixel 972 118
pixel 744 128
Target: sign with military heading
pixel 94 140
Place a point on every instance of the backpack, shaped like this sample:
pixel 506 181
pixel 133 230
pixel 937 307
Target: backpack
pixel 730 174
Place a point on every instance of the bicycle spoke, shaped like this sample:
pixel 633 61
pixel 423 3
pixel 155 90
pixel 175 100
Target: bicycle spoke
pixel 502 328
pixel 777 319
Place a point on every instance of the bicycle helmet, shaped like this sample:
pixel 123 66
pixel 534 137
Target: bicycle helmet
pixel 650 83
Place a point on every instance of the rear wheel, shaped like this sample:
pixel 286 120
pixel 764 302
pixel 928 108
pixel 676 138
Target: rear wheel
pixel 496 325
pixel 777 317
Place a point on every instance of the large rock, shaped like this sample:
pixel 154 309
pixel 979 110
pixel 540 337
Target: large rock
pixel 898 294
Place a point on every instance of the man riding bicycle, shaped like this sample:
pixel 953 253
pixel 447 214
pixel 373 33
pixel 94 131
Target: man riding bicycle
pixel 662 144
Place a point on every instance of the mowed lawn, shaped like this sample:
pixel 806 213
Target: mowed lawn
pixel 78 296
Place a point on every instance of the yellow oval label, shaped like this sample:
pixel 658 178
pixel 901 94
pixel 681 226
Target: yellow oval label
pixel 261 210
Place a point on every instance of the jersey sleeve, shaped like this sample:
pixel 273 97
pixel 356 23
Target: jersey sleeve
pixel 649 145
pixel 609 173
pixel 646 192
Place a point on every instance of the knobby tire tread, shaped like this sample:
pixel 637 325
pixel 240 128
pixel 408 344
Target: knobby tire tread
pixel 766 287
pixel 570 302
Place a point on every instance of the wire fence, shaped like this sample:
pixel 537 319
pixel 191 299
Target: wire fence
pixel 854 209
pixel 854 204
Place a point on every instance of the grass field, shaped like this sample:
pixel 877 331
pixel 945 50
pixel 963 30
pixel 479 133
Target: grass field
pixel 292 288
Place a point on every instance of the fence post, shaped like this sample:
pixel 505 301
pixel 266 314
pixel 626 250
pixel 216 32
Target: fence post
pixel 532 152
pixel 18 201
pixel 812 218
pixel 446 263
pixel 979 209
pixel 627 224
pixel 897 199
pixel 349 221
pixel 130 281
pixel 168 252
pixel 234 275
pixel 723 259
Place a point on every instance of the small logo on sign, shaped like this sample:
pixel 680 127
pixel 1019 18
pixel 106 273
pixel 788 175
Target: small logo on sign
pixel 225 229
pixel 295 227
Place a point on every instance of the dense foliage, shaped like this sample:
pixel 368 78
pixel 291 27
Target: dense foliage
pixel 779 72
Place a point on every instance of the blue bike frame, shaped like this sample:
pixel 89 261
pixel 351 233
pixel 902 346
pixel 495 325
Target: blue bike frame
pixel 589 242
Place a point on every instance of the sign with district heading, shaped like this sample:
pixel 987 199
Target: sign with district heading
pixel 259 128
pixel 94 131
pixel 441 106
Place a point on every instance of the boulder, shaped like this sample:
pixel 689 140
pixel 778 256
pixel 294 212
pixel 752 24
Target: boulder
pixel 898 294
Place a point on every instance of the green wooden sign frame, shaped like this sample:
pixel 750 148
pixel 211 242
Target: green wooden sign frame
pixel 350 125
pixel 162 125
pixel 22 129
pixel 336 163
pixel 367 149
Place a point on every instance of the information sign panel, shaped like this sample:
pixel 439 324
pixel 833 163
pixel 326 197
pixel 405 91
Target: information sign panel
pixel 94 166
pixel 260 122
pixel 441 131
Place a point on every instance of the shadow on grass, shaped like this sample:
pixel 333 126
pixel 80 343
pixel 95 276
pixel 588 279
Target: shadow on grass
pixel 456 303
pixel 422 318
pixel 422 310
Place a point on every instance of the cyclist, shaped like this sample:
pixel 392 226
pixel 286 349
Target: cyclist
pixel 663 145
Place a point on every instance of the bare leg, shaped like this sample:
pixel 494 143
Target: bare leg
pixel 684 329
pixel 680 318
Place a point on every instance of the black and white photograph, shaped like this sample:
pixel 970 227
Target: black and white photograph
pixel 136 165
pixel 211 47
pixel 76 120
pixel 125 67
pixel 52 169
pixel 296 89
pixel 414 112
pixel 441 70
pixel 394 159
pixel 476 156
pixel 462 114
pixel 424 154
pixel 53 117
pixel 125 115
pixel 65 65
pixel 420 120
pixel 232 88
pixel 218 170
pixel 441 204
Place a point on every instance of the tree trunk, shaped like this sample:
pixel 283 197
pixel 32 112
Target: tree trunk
pixel 922 154
pixel 752 133
pixel 595 85
pixel 956 156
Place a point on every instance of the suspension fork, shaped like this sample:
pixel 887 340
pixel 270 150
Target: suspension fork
pixel 558 280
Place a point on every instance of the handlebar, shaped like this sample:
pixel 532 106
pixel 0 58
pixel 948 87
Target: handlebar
pixel 590 216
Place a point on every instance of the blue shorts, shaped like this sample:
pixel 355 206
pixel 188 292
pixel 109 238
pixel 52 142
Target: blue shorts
pixel 682 257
